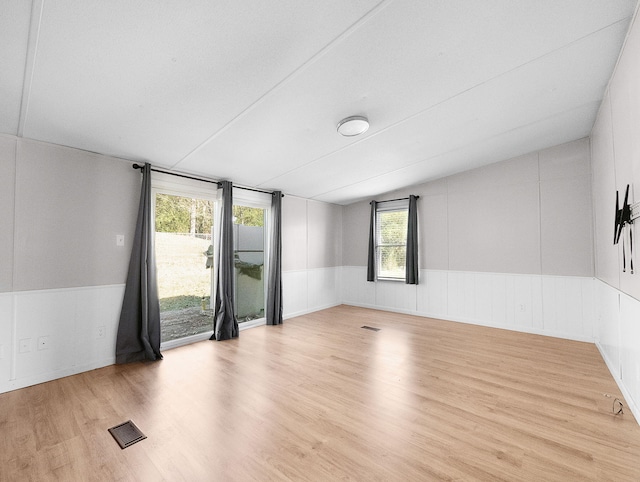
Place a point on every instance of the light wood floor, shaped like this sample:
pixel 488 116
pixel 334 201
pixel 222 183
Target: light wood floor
pixel 321 399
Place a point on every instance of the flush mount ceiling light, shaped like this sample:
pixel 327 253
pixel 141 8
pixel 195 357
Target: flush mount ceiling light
pixel 353 126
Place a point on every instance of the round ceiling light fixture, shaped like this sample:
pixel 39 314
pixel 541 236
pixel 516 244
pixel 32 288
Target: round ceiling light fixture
pixel 353 126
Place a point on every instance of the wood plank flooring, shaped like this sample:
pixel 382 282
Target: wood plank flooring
pixel 319 399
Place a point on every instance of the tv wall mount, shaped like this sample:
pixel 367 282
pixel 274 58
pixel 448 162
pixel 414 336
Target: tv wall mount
pixel 625 216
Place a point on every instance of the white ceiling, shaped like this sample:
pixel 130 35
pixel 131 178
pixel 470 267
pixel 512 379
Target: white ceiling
pixel 252 91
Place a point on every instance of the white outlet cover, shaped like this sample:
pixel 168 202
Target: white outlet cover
pixel 43 343
pixel 119 239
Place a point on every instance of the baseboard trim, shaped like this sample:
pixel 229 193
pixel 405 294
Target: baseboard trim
pixel 625 393
pixel 295 314
pixel 468 321
pixel 25 382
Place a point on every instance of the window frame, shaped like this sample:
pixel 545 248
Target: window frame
pixel 400 205
pixel 260 200
pixel 162 183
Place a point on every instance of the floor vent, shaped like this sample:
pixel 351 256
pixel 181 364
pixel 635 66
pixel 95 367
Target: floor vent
pixel 127 434
pixel 370 328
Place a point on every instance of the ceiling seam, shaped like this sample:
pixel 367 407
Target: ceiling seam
pixel 452 151
pixel 411 117
pixel 632 22
pixel 306 64
pixel 37 9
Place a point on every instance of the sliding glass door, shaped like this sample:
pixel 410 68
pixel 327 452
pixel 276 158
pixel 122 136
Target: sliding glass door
pixel 249 260
pixel 184 216
pixel 184 259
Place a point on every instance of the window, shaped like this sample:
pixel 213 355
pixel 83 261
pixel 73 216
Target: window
pixel 249 256
pixel 391 240
pixel 183 215
pixel 251 252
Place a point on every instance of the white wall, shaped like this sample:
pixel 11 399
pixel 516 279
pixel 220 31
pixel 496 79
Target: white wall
pixel 61 274
pixel 69 207
pixel 8 147
pixel 507 245
pixel 616 162
pixel 529 215
pixel 560 306
pixel 311 255
pixel 69 321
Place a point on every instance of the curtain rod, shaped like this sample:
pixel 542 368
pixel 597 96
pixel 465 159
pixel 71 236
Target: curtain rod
pixel 391 200
pixel 211 181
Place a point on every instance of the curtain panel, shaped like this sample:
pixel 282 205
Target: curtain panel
pixel 412 270
pixel 274 287
pixel 226 322
pixel 139 327
pixel 371 256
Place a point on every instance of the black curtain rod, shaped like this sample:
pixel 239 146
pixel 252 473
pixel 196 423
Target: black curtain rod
pixel 391 200
pixel 211 181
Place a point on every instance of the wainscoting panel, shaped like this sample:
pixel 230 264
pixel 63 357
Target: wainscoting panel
pixel 49 315
pixel 617 328
pixel 562 310
pixel 6 339
pixel 548 305
pixel 484 301
pixel 630 346
pixel 607 331
pixel 294 293
pixel 54 333
pixel 356 290
pixel 589 307
pixel 432 293
pixel 96 309
pixel 324 288
pixel 310 290
pixel 522 301
pixel 457 303
pixel 396 296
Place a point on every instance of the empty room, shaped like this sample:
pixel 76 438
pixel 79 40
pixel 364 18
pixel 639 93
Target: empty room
pixel 319 240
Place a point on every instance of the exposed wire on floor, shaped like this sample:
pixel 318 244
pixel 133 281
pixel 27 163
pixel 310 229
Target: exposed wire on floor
pixel 620 407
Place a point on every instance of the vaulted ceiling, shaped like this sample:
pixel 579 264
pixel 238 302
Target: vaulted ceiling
pixel 252 90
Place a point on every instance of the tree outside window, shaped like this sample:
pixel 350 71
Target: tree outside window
pixel 391 243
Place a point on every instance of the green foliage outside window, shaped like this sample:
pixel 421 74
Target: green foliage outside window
pixel 248 216
pixel 392 243
pixel 177 214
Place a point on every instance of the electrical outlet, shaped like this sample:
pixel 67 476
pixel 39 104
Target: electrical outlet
pixel 43 342
pixel 523 307
pixel 24 345
pixel 119 239
pixel 101 332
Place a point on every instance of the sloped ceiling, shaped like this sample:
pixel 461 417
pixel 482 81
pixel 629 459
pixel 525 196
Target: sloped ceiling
pixel 252 91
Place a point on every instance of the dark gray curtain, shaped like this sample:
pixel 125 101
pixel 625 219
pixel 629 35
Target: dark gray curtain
pixel 226 323
pixel 274 287
pixel 139 328
pixel 371 259
pixel 412 243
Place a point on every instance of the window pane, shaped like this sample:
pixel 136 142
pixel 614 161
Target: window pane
pixel 184 264
pixel 392 261
pixel 391 241
pixel 393 227
pixel 248 240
